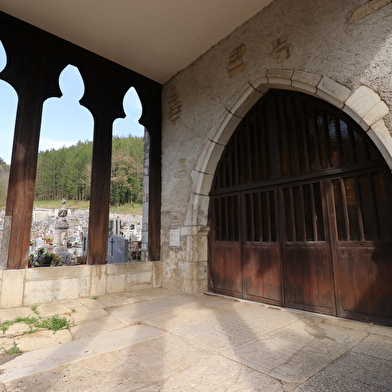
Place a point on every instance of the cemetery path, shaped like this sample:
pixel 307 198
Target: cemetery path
pixel 160 340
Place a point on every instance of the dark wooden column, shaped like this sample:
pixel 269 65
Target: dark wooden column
pixel 98 227
pixel 151 101
pixel 26 71
pixel 105 100
pixel 35 61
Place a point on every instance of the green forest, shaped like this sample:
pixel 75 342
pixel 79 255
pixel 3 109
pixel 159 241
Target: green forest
pixel 4 174
pixel 66 172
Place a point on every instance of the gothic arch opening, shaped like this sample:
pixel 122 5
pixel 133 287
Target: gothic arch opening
pixel 8 107
pixel 128 157
pixel 299 211
pixel 66 125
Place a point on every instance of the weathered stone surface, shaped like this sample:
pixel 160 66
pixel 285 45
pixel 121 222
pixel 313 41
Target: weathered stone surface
pixel 12 288
pixel 96 327
pixel 42 339
pixel 367 104
pixel 332 89
pixel 305 81
pixel 296 352
pixel 200 343
pixel 85 314
pixel 354 373
pixel 381 137
pixel 220 374
pixel 366 9
pixel 246 101
pixel 375 346
pixel 51 357
pixel 52 309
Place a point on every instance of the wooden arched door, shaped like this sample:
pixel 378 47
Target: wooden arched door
pixel 300 213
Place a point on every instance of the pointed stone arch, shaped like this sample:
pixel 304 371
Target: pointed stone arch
pixel 363 105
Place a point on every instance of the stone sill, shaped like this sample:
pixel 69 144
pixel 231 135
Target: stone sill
pixel 26 287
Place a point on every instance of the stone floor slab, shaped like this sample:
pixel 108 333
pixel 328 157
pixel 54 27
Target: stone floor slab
pixel 142 365
pixel 202 343
pixel 12 313
pixel 42 339
pixel 52 309
pixel 84 314
pixel 296 352
pixel 219 374
pixel 91 303
pixel 49 358
pixel 375 346
pixel 96 327
pixel 352 373
pixel 380 330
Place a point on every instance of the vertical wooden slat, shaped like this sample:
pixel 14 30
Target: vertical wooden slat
pixel 294 135
pixel 284 135
pixel 264 147
pixel 256 149
pixel 305 136
pixel 316 139
pixel 338 139
pixel 302 211
pixel 359 209
pixel 373 206
pixel 351 144
pixel 345 209
pixel 314 215
pixel 327 138
pixel 292 214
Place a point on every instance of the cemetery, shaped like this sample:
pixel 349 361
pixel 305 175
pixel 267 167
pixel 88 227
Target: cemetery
pixel 59 239
pixel 64 232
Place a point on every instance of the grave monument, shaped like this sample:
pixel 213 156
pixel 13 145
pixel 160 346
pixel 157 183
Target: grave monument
pixel 61 231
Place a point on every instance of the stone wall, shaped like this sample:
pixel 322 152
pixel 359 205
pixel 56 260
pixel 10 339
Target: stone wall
pixel 337 51
pixel 26 287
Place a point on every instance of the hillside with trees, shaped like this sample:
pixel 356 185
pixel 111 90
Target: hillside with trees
pixel 66 172
pixel 4 174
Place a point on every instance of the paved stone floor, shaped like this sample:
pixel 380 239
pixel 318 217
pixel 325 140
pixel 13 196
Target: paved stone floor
pixel 159 340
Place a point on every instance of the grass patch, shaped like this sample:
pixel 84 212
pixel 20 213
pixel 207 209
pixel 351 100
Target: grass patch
pixel 34 309
pixel 94 297
pixel 13 350
pixel 54 323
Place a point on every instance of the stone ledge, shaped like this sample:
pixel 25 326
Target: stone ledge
pixel 27 287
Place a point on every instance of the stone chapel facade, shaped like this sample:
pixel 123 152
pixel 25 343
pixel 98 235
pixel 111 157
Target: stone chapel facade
pixel 310 54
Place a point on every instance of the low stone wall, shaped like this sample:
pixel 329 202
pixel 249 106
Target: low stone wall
pixel 26 287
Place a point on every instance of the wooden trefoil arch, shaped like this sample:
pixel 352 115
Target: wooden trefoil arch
pixel 300 212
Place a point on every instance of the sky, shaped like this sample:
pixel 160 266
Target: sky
pixel 64 120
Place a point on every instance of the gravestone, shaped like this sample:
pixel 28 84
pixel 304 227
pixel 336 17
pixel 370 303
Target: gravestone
pixel 117 249
pixel 114 226
pixel 85 245
pixel 61 227
pixel 39 243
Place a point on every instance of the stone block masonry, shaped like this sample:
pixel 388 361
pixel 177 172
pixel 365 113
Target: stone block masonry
pixel 26 287
pixel 282 48
pixel 366 9
pixel 175 106
pixel 236 60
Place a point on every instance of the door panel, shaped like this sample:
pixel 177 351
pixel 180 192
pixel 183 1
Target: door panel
pixel 226 274
pixel 308 277
pixel 306 254
pixel 361 236
pixel 365 280
pixel 301 212
pixel 262 263
pixel 225 248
